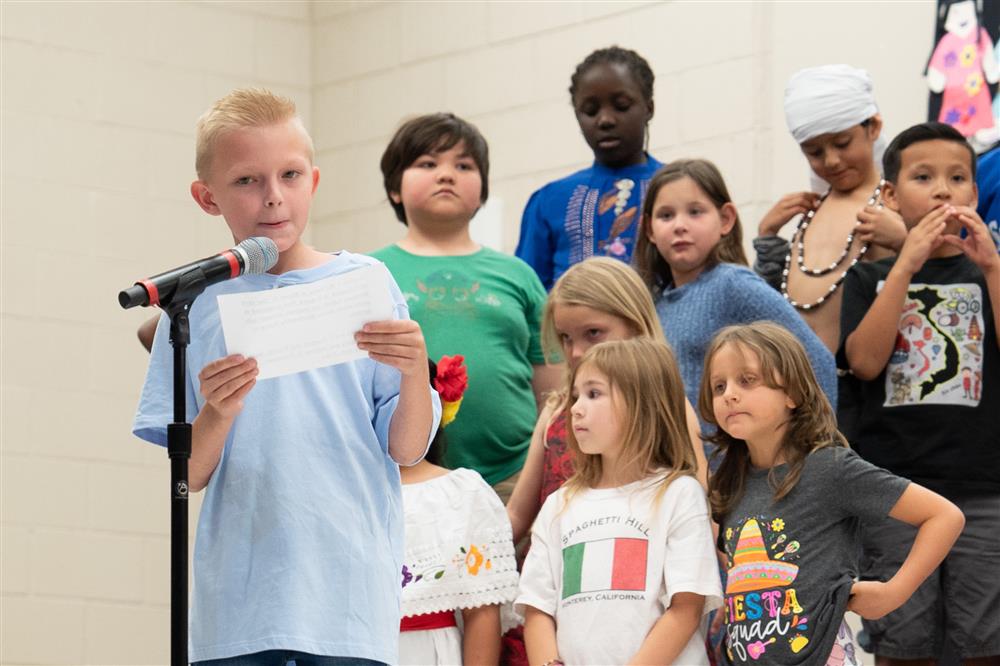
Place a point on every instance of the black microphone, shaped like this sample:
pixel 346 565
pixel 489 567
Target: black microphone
pixel 254 256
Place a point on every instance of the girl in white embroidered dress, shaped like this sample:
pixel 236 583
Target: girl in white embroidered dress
pixel 459 562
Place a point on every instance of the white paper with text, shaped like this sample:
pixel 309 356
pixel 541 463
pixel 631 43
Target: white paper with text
pixel 305 326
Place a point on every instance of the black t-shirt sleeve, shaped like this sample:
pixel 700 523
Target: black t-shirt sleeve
pixel 770 261
pixel 859 294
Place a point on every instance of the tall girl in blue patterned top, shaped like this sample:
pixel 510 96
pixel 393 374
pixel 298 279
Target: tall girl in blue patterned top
pixel 689 252
pixel 594 212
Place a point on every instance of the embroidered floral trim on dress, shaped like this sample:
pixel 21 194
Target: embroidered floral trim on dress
pixel 479 574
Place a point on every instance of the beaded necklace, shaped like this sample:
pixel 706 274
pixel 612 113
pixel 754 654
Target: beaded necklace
pixel 798 239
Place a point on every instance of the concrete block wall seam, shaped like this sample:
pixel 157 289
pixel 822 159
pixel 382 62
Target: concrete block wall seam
pixel 468 46
pixel 286 11
pixel 30 625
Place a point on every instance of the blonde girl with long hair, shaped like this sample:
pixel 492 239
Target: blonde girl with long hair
pixel 622 568
pixel 597 300
pixel 789 496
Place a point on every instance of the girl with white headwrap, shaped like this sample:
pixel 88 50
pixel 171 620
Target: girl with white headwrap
pixel 832 115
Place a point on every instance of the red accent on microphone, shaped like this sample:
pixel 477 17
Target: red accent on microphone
pixel 438 620
pixel 234 263
pixel 154 293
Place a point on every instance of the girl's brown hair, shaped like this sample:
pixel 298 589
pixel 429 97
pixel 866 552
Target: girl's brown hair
pixel 649 394
pixel 649 263
pixel 812 425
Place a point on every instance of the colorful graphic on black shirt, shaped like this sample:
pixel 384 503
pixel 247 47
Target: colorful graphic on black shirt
pixel 938 355
pixel 762 607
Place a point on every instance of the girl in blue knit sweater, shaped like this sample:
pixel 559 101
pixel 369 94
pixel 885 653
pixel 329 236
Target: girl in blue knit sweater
pixel 689 252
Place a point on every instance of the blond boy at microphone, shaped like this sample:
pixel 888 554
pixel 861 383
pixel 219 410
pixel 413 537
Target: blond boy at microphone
pixel 299 543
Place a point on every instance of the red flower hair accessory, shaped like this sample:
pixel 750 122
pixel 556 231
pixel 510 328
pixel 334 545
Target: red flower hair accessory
pixel 450 381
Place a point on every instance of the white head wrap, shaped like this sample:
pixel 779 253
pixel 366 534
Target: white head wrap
pixel 830 98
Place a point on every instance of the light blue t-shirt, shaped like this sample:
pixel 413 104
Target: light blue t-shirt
pixel 300 538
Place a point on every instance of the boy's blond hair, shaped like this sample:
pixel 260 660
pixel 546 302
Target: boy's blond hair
pixel 240 109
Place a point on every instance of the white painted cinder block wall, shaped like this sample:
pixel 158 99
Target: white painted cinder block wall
pixel 99 102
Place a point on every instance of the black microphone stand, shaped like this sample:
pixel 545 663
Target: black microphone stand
pixel 177 307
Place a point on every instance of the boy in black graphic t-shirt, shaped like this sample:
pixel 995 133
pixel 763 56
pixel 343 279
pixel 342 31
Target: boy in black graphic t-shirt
pixel 920 331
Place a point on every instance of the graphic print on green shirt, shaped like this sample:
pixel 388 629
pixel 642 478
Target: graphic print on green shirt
pixel 487 307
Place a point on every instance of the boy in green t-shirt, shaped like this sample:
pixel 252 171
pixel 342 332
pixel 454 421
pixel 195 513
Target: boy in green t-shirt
pixel 468 299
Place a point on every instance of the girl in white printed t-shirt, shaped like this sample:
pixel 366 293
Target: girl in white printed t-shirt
pixel 621 567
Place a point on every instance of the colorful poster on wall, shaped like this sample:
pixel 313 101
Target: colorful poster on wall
pixel 963 69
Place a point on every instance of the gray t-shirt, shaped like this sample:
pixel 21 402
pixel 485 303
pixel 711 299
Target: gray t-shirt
pixel 790 564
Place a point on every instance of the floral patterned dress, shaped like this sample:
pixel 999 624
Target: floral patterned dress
pixel 557 463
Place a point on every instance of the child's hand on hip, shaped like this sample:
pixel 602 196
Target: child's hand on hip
pixel 872 599
pixel 226 381
pixel 395 342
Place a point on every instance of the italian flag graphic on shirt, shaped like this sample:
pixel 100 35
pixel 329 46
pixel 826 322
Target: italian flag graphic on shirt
pixel 605 564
